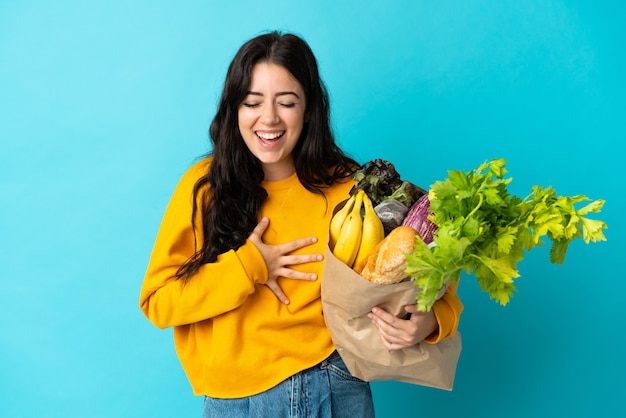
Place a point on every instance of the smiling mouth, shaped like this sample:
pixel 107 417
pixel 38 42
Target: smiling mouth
pixel 269 136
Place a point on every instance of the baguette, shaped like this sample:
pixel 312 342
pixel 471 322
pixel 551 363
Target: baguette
pixel 387 262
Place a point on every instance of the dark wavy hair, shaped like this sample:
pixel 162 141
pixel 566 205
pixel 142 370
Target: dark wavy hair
pixel 230 192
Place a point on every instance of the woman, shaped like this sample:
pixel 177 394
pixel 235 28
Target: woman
pixel 237 261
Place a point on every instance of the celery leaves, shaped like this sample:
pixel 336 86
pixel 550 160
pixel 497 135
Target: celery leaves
pixel 484 230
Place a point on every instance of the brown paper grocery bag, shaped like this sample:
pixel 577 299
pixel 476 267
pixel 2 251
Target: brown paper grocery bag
pixel 347 298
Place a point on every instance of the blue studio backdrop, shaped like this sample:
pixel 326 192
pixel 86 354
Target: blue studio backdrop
pixel 104 104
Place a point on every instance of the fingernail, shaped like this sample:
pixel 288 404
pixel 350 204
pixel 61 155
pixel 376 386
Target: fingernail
pixel 313 277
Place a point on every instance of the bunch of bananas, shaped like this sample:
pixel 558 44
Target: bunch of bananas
pixel 353 236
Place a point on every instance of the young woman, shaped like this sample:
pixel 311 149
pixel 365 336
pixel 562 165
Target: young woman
pixel 236 265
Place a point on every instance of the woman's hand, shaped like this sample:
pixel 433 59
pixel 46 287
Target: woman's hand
pixel 278 259
pixel 397 333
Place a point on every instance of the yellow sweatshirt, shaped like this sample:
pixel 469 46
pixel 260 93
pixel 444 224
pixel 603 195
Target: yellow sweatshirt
pixel 233 337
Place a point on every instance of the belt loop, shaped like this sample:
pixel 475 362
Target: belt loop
pixel 326 362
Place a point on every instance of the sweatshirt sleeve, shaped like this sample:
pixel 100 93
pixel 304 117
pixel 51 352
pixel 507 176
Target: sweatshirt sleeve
pixel 215 288
pixel 447 310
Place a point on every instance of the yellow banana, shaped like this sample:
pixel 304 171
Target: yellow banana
pixel 347 244
pixel 337 220
pixel 373 231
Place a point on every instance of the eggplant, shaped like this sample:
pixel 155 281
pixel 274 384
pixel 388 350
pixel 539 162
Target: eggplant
pixel 418 219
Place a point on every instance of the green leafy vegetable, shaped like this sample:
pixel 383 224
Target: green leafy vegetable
pixel 407 194
pixel 381 181
pixel 484 230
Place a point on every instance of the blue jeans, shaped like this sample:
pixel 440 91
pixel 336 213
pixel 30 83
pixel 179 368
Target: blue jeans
pixel 323 391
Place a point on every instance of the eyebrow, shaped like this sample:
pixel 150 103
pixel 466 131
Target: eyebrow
pixel 280 93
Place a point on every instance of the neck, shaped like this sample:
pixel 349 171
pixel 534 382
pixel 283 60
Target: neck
pixel 278 172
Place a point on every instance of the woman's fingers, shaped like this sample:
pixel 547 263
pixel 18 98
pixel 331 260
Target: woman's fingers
pixel 280 259
pixel 259 230
pixel 295 274
pixel 282 250
pixel 392 327
pixel 397 333
pixel 292 246
pixel 274 287
pixel 389 341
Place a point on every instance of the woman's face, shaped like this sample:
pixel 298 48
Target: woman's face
pixel 271 118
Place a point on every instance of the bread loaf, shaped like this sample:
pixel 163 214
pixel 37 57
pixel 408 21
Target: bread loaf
pixel 387 263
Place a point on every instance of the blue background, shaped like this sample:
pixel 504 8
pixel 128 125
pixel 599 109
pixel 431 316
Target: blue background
pixel 104 104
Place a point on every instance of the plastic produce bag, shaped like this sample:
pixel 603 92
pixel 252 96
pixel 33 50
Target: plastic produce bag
pixel 391 213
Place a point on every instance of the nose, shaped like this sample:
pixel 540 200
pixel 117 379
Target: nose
pixel 269 116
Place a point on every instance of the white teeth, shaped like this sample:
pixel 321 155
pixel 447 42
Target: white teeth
pixel 269 136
